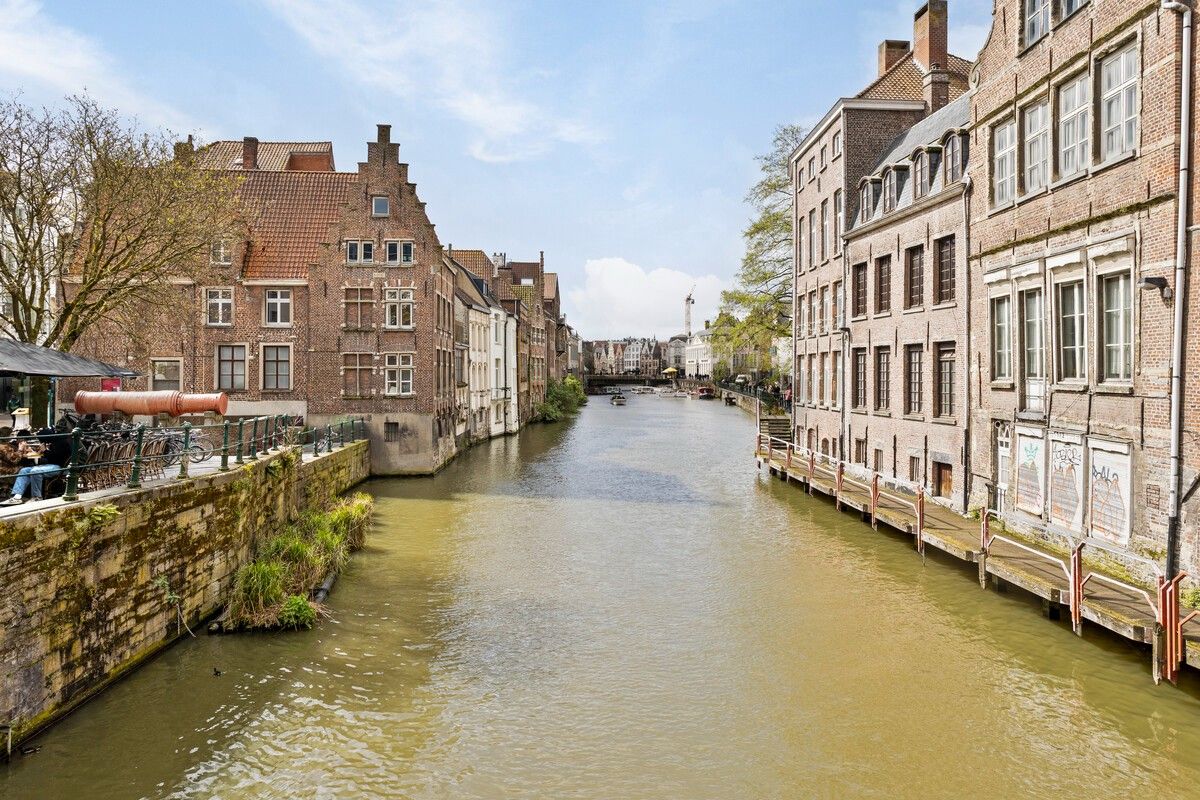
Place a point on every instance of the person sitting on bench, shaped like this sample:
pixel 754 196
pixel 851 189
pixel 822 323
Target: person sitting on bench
pixel 31 474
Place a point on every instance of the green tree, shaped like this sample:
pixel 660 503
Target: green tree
pixel 759 306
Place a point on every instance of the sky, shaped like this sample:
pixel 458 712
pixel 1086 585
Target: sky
pixel 617 137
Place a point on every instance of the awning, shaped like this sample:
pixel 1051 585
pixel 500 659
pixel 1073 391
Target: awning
pixel 19 358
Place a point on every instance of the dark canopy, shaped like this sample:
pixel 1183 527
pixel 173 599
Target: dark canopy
pixel 19 358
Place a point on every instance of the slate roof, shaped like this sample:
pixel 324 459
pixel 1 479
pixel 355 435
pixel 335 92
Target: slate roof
pixel 290 217
pixel 905 80
pixel 19 358
pixel 272 156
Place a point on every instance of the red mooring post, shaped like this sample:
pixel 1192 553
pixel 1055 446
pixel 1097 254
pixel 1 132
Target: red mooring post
pixel 921 520
pixel 874 500
pixel 1077 589
pixel 812 469
pixel 837 497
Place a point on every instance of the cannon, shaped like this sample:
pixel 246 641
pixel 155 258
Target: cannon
pixel 171 403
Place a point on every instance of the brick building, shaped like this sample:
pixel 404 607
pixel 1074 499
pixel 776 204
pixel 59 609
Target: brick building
pixel 906 390
pixel 826 170
pixel 1076 133
pixel 335 301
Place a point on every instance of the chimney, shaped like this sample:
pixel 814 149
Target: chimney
pixel 891 51
pixel 249 153
pixel 383 134
pixel 185 150
pixel 542 259
pixel 705 324
pixel 936 85
pixel 930 37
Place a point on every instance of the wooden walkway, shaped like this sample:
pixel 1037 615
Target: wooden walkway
pixel 1105 600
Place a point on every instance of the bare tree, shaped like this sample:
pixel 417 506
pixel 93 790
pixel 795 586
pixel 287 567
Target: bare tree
pixel 97 220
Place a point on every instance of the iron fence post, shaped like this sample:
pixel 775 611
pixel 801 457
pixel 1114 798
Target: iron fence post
pixel 241 428
pixel 185 457
pixel 225 447
pixel 254 440
pixel 342 434
pixel 328 438
pixel 72 491
pixel 135 475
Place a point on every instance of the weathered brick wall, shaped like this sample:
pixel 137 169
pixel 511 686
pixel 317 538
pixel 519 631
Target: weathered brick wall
pixel 80 606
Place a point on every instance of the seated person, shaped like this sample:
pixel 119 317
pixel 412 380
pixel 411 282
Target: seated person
pixel 31 472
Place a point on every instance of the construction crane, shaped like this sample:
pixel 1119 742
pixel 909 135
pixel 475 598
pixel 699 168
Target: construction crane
pixel 688 302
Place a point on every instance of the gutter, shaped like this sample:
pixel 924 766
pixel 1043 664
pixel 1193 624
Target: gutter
pixel 1174 502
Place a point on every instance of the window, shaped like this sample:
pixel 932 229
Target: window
pixel 824 229
pixel 1004 158
pixel 1118 103
pixel 231 366
pixel 812 313
pixel 952 155
pixel 878 460
pixel 1001 338
pixel 165 375
pixel 883 284
pixel 1034 342
pixel 812 169
pixel 824 156
pixel 391 431
pixel 277 368
pixel 943 290
pixel 812 235
pixel 944 399
pixel 837 143
pixel 360 252
pixel 1072 335
pixel 858 388
pixel 837 221
pixel 800 244
pixel 921 174
pixel 398 374
pixel 358 307
pixel 1074 133
pixel 1037 20
pixel 379 206
pixel 858 286
pixel 823 377
pixel 835 392
pixel 913 389
pixel 356 374
pixel 391 252
pixel 915 473
pixel 860 451
pixel 890 190
pixel 1069 7
pixel 864 202
pixel 278 307
pixel 914 276
pixel 398 309
pixel 1116 321
pixel 836 298
pixel 219 304
pixel 220 252
pixel 824 308
pixel 883 378
pixel 1037 146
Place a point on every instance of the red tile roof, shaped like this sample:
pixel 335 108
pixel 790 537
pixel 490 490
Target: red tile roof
pixel 272 156
pixel 290 216
pixel 905 80
pixel 476 261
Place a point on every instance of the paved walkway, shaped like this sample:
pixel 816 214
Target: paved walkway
pixel 1127 612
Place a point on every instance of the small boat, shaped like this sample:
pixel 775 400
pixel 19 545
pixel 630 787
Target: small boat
pixel 618 400
pixel 705 393
pixel 680 394
pixel 730 400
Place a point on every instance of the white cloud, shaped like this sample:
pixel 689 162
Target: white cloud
pixel 38 53
pixel 619 298
pixel 445 53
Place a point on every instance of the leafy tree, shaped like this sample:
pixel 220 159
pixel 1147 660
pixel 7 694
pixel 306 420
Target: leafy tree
pixel 759 305
pixel 98 220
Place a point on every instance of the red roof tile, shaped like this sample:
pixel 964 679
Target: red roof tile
pixel 272 156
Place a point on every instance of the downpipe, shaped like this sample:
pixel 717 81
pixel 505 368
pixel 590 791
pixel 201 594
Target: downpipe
pixel 1181 234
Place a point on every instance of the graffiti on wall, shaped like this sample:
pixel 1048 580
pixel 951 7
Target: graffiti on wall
pixel 1066 484
pixel 1029 474
pixel 1111 493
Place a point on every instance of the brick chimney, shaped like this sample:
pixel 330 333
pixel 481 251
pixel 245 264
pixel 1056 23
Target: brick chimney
pixel 930 36
pixel 891 51
pixel 185 150
pixel 936 85
pixel 249 153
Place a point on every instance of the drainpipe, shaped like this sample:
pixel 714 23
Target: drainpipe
pixel 968 472
pixel 1177 344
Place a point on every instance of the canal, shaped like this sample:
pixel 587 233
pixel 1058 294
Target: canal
pixel 624 607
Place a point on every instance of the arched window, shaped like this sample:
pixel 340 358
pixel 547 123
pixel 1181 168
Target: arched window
pixel 921 174
pixel 954 157
pixel 890 190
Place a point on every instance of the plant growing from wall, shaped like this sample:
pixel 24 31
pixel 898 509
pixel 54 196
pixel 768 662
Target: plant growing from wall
pixel 175 600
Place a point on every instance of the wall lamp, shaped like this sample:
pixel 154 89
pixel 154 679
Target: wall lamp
pixel 1157 283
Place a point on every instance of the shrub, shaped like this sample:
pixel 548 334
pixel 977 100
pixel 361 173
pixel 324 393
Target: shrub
pixel 258 587
pixel 297 613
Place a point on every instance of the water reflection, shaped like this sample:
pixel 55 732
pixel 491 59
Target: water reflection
pixel 623 607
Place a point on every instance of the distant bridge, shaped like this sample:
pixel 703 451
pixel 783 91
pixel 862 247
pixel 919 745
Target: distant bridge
pixel 594 384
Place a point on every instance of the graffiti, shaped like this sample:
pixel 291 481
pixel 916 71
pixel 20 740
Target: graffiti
pixel 1029 476
pixel 1110 496
pixel 1066 485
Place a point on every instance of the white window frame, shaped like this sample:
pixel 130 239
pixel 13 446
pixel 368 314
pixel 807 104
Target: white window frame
pixel 395 381
pixel 1123 131
pixel 387 205
pixel 920 175
pixel 178 362
pixel 220 252
pixel 262 368
pixel 395 301
pixel 282 300
pixel 838 208
pixel 218 302
pixel 1035 124
pixel 1004 163
pixel 407 252
pixel 1035 20
pixel 837 144
pixel 1074 98
pixel 360 251
pixel 1001 341
pixel 1125 324
pixel 1077 324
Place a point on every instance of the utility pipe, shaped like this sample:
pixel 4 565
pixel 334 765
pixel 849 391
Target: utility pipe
pixel 1181 233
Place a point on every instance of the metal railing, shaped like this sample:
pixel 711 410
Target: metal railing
pixel 114 454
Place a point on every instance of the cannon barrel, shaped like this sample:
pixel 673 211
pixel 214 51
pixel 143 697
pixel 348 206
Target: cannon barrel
pixel 171 403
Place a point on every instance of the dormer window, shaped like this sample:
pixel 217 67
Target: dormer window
pixel 891 190
pixel 221 252
pixel 921 174
pixel 380 207
pixel 954 158
pixel 866 200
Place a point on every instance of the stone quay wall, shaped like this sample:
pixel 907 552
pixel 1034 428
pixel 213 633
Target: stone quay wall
pixel 82 593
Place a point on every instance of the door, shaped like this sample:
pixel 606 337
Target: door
pixel 1003 464
pixel 943 479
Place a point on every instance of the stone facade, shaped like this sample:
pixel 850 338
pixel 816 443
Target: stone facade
pixel 1073 221
pixel 81 606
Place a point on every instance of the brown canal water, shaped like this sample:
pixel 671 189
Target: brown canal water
pixel 624 607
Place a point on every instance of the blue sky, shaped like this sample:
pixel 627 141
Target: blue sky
pixel 618 137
